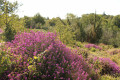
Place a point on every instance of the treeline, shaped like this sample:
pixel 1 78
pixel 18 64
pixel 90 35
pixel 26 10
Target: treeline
pixel 93 28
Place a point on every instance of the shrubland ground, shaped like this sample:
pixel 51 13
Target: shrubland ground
pixel 75 48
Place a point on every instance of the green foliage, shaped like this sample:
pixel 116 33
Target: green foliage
pixel 111 36
pixel 92 27
pixel 38 19
pixel 32 68
pixel 116 21
pixel 74 22
pixel 1 2
pixel 93 49
pixel 34 22
pixel 70 16
pixel 4 62
pixel 83 52
pixel 65 34
pixel 27 21
pixel 80 33
pixel 9 33
pixel 79 44
pixel 51 22
pixel 108 77
pixel 8 7
pixel 89 19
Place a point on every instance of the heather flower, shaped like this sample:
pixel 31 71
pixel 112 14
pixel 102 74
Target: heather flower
pixel 105 66
pixel 43 56
pixel 113 51
pixel 109 67
pixel 93 45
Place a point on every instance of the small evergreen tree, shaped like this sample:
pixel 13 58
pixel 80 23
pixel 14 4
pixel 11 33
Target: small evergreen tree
pixel 9 32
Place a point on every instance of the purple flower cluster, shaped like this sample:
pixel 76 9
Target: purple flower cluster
pixel 41 56
pixel 29 44
pixel 93 45
pixel 114 51
pixel 105 66
pixel 109 66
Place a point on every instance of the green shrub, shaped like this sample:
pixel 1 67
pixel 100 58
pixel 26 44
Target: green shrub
pixel 93 49
pixel 9 33
pixel 4 62
pixel 78 44
pixel 83 52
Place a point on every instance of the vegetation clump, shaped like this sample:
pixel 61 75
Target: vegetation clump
pixel 42 56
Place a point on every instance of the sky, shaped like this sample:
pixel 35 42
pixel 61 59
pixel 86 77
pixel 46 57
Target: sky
pixel 59 8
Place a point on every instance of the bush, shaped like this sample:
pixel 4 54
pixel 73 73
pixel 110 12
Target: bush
pixel 9 33
pixel 65 34
pixel 113 51
pixel 78 44
pixel 4 65
pixel 93 46
pixel 105 66
pixel 82 52
pixel 109 67
pixel 42 56
pixel 105 47
pixel 93 49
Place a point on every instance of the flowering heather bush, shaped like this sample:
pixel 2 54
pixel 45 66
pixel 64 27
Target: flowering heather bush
pixel 109 67
pixel 105 66
pixel 113 51
pixel 105 47
pixel 30 44
pixel 93 45
pixel 41 56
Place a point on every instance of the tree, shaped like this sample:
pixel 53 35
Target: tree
pixel 65 34
pixel 1 2
pixel 116 20
pixel 71 19
pixel 0 11
pixel 70 16
pixel 27 21
pixel 38 19
pixel 80 33
pixel 7 9
pixel 92 25
pixel 61 20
